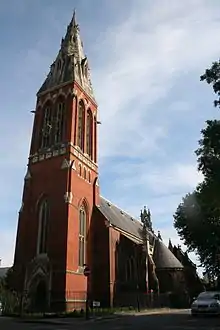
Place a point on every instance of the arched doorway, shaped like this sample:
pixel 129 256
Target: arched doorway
pixel 41 296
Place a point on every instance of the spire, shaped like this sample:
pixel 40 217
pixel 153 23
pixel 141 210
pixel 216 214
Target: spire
pixel 170 246
pixel 74 17
pixel 146 218
pixel 71 64
pixel 159 235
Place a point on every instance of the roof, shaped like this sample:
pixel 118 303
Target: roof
pixel 183 256
pixel 119 218
pixel 164 258
pixel 122 220
pixel 3 271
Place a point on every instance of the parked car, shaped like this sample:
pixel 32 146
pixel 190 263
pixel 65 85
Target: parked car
pixel 207 302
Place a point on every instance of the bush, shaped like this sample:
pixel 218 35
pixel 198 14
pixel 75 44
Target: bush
pixel 9 301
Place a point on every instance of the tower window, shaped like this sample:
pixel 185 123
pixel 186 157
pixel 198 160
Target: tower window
pixel 59 123
pixel 82 236
pixel 43 219
pixel 84 173
pixel 80 169
pixel 46 128
pixel 89 132
pixel 81 125
pixel 89 177
pixel 95 140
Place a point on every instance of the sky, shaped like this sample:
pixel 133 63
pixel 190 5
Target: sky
pixel 146 58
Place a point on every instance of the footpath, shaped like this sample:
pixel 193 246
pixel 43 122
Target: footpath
pixel 106 318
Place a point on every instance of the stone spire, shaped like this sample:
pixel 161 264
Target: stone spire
pixel 159 235
pixel 146 218
pixel 71 64
pixel 170 246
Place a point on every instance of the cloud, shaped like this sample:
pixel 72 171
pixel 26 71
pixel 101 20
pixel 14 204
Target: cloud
pixel 159 178
pixel 145 55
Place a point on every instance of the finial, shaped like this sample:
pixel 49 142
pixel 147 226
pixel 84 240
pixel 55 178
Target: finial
pixel 170 246
pixel 159 235
pixel 74 16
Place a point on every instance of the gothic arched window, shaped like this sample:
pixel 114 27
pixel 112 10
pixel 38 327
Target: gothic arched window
pixel 81 125
pixel 89 131
pixel 82 236
pixel 43 219
pixel 128 270
pixel 59 122
pixel 80 169
pixel 95 140
pixel 46 127
pixel 84 173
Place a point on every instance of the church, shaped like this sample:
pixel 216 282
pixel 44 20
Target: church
pixel 71 241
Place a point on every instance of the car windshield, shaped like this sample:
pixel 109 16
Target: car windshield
pixel 208 296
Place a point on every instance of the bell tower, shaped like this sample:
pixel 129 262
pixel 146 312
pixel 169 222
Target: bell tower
pixel 61 183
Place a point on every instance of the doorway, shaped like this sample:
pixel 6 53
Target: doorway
pixel 41 296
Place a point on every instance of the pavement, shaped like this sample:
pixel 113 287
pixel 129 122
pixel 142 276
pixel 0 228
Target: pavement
pixel 162 320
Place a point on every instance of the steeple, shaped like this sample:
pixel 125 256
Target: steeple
pixel 71 64
pixel 170 246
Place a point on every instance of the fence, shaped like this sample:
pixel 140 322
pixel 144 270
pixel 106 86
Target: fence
pixel 69 301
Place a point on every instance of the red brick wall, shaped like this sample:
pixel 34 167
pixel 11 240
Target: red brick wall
pixel 48 178
pixel 99 259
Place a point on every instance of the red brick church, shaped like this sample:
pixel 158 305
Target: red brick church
pixel 64 223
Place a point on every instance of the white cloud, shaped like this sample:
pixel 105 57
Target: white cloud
pixel 158 178
pixel 182 176
pixel 144 55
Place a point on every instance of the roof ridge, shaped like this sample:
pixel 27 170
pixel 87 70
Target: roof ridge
pixel 134 218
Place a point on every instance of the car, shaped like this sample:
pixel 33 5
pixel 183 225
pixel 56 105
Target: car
pixel 207 302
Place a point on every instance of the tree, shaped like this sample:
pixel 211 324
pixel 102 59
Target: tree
pixel 197 223
pixel 197 218
pixel 212 77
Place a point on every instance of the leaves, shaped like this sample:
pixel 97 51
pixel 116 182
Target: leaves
pixel 212 77
pixel 197 218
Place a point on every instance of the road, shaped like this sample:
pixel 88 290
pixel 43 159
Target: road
pixel 171 321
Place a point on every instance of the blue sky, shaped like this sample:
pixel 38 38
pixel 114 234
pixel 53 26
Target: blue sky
pixel 146 58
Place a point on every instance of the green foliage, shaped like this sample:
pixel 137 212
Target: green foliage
pixel 197 221
pixel 212 77
pixel 8 297
pixel 208 152
pixel 10 302
pixel 197 218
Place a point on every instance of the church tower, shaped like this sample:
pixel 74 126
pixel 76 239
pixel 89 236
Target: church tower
pixel 61 183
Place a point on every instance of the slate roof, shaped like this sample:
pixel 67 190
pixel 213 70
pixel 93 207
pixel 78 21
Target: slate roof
pixel 119 218
pixel 3 271
pixel 163 257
